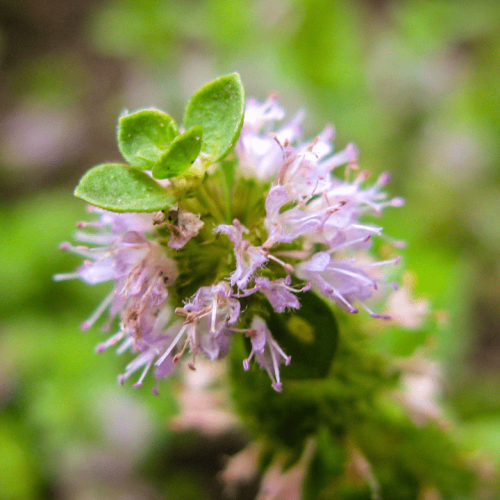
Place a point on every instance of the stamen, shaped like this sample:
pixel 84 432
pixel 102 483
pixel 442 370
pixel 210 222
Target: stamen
pixel 396 260
pixel 355 275
pixel 294 254
pixel 95 239
pixel 362 176
pixel 144 372
pixel 193 316
pixel 108 323
pixel 246 362
pixel 276 378
pixel 134 365
pixel 239 330
pixel 97 313
pixel 125 345
pixel 374 230
pixel 395 243
pixel 191 334
pixel 110 341
pixel 214 313
pixel 288 268
pixel 281 352
pixel 313 143
pixel 346 244
pixel 80 250
pixel 172 345
pixel 383 179
pixel 373 314
pixel 133 274
pixel 313 192
pixel 154 281
pixel 351 308
pixel 96 224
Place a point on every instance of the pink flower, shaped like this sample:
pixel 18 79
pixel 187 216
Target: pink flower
pixel 267 352
pixel 279 292
pixel 248 258
pixel 341 281
pixel 261 153
pixel 207 326
pixel 285 226
pixel 312 221
pixel 141 272
pixel 139 266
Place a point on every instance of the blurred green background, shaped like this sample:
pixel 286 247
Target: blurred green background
pixel 415 84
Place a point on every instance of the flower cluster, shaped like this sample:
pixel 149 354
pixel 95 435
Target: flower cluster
pixel 310 237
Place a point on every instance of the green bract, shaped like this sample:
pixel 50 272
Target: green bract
pixel 120 188
pixel 144 136
pixel 180 155
pixel 219 108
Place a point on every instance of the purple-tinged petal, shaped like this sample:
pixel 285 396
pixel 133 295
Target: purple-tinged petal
pixel 267 352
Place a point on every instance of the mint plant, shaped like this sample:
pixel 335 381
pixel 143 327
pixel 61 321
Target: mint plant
pixel 231 236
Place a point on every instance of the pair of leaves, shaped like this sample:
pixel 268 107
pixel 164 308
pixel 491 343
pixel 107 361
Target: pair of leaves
pixel 144 136
pixel 150 139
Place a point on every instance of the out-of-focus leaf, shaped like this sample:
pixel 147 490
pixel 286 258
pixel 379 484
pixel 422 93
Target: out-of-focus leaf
pixel 18 476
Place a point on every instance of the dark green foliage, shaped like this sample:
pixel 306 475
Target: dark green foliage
pixel 349 408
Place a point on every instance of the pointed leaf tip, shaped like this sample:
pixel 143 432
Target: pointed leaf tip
pixel 219 108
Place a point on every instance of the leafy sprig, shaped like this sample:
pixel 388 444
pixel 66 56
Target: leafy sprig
pixel 150 139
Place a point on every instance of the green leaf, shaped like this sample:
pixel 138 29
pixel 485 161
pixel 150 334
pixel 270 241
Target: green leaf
pixel 149 154
pixel 143 136
pixel 180 155
pixel 309 335
pixel 120 188
pixel 219 108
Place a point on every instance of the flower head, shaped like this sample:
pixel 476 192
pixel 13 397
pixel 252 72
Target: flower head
pixel 167 299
